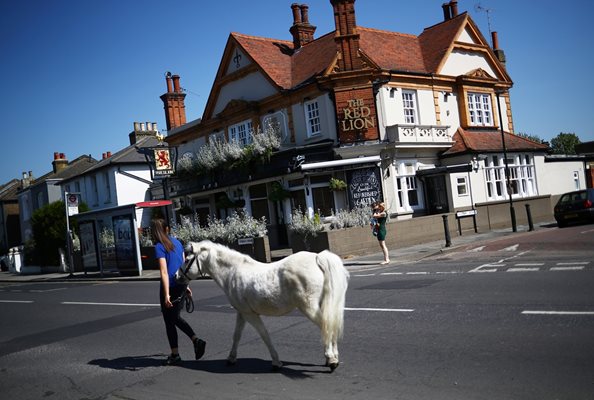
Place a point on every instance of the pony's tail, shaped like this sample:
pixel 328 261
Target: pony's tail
pixel 336 280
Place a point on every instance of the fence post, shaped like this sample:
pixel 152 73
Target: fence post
pixel 529 215
pixel 446 228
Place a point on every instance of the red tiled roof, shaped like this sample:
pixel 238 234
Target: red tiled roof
pixel 466 141
pixel 389 50
pixel 437 39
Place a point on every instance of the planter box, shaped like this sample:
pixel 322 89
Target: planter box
pixel 257 248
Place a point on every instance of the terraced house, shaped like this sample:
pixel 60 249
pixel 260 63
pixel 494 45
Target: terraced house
pixel 417 121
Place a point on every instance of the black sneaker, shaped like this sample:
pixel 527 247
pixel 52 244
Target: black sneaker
pixel 173 359
pixel 199 347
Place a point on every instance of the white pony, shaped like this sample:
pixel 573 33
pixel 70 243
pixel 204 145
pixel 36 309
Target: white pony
pixel 315 284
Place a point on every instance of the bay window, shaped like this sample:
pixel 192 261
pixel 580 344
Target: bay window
pixel 521 176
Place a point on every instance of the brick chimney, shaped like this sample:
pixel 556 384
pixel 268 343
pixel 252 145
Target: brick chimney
pixel 140 129
pixel 173 100
pixel 346 37
pixel 302 30
pixel 498 52
pixel 60 162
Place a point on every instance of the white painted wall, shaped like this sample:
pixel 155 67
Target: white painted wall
pixel 558 177
pixel 465 37
pixel 461 62
pixel 252 87
pixel 328 121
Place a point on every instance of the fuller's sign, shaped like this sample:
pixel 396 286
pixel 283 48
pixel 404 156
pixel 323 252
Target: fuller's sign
pixel 357 116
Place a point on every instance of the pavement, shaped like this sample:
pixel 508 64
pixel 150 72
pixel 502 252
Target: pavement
pixel 397 256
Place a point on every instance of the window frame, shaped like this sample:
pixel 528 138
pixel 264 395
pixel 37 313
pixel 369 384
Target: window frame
pixel 480 109
pixel 410 107
pixel 313 120
pixel 242 132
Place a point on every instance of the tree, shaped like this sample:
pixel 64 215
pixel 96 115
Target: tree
pixel 49 232
pixel 534 138
pixel 564 143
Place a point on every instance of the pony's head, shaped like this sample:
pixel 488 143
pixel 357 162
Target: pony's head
pixel 193 266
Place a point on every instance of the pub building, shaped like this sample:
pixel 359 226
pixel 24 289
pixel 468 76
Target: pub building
pixel 401 118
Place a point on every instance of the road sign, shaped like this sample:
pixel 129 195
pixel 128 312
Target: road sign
pixel 72 200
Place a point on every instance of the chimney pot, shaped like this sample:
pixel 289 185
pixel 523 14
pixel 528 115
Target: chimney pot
pixel 168 80
pixel 142 127
pixel 62 156
pixel 495 40
pixel 176 87
pixel 136 126
pixel 108 154
pixel 454 7
pixel 103 156
pixel 56 155
pixel 447 13
pixel 296 13
pixel 304 13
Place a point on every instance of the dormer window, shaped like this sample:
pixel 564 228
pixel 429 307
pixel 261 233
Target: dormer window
pixel 479 109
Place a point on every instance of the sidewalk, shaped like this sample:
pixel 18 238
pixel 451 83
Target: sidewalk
pixel 397 256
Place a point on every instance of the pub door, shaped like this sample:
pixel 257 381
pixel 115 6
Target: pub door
pixel 437 195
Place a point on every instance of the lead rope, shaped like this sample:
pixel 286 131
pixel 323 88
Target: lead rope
pixel 188 302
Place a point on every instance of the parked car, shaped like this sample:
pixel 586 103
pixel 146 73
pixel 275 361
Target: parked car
pixel 575 206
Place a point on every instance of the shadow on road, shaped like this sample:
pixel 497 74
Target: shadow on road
pixel 293 370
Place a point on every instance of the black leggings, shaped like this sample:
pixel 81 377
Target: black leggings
pixel 172 316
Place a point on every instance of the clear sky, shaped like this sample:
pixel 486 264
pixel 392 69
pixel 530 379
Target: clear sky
pixel 76 74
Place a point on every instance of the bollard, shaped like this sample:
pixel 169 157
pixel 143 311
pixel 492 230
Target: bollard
pixel 529 215
pixel 446 228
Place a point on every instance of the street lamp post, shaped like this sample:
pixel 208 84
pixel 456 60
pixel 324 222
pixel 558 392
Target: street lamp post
pixel 512 212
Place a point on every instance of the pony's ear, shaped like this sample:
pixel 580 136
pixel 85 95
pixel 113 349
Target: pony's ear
pixel 188 249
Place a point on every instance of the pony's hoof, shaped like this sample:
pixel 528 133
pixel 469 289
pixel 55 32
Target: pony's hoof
pixel 333 366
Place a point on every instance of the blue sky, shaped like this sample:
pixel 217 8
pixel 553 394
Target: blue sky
pixel 77 74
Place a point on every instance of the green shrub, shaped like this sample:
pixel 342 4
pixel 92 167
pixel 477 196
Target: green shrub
pixel 49 232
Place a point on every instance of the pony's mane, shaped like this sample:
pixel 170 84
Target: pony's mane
pixel 231 256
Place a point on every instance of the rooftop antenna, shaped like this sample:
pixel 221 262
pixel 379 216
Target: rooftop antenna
pixel 478 8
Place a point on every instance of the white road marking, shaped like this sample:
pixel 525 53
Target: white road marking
pixel 588 231
pixel 364 275
pixel 392 273
pixel 16 301
pixel 379 309
pixel 511 248
pixel 567 268
pixel 46 290
pixel 417 273
pixel 574 263
pixel 527 312
pixel 530 265
pixel 85 303
pixel 523 269
pixel 476 249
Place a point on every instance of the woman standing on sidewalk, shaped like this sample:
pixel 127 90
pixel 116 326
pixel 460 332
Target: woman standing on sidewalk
pixel 379 213
pixel 170 255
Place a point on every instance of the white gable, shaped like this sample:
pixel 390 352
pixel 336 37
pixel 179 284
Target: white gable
pixel 238 61
pixel 461 62
pixel 465 37
pixel 252 87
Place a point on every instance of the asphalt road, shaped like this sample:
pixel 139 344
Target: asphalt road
pixel 505 319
